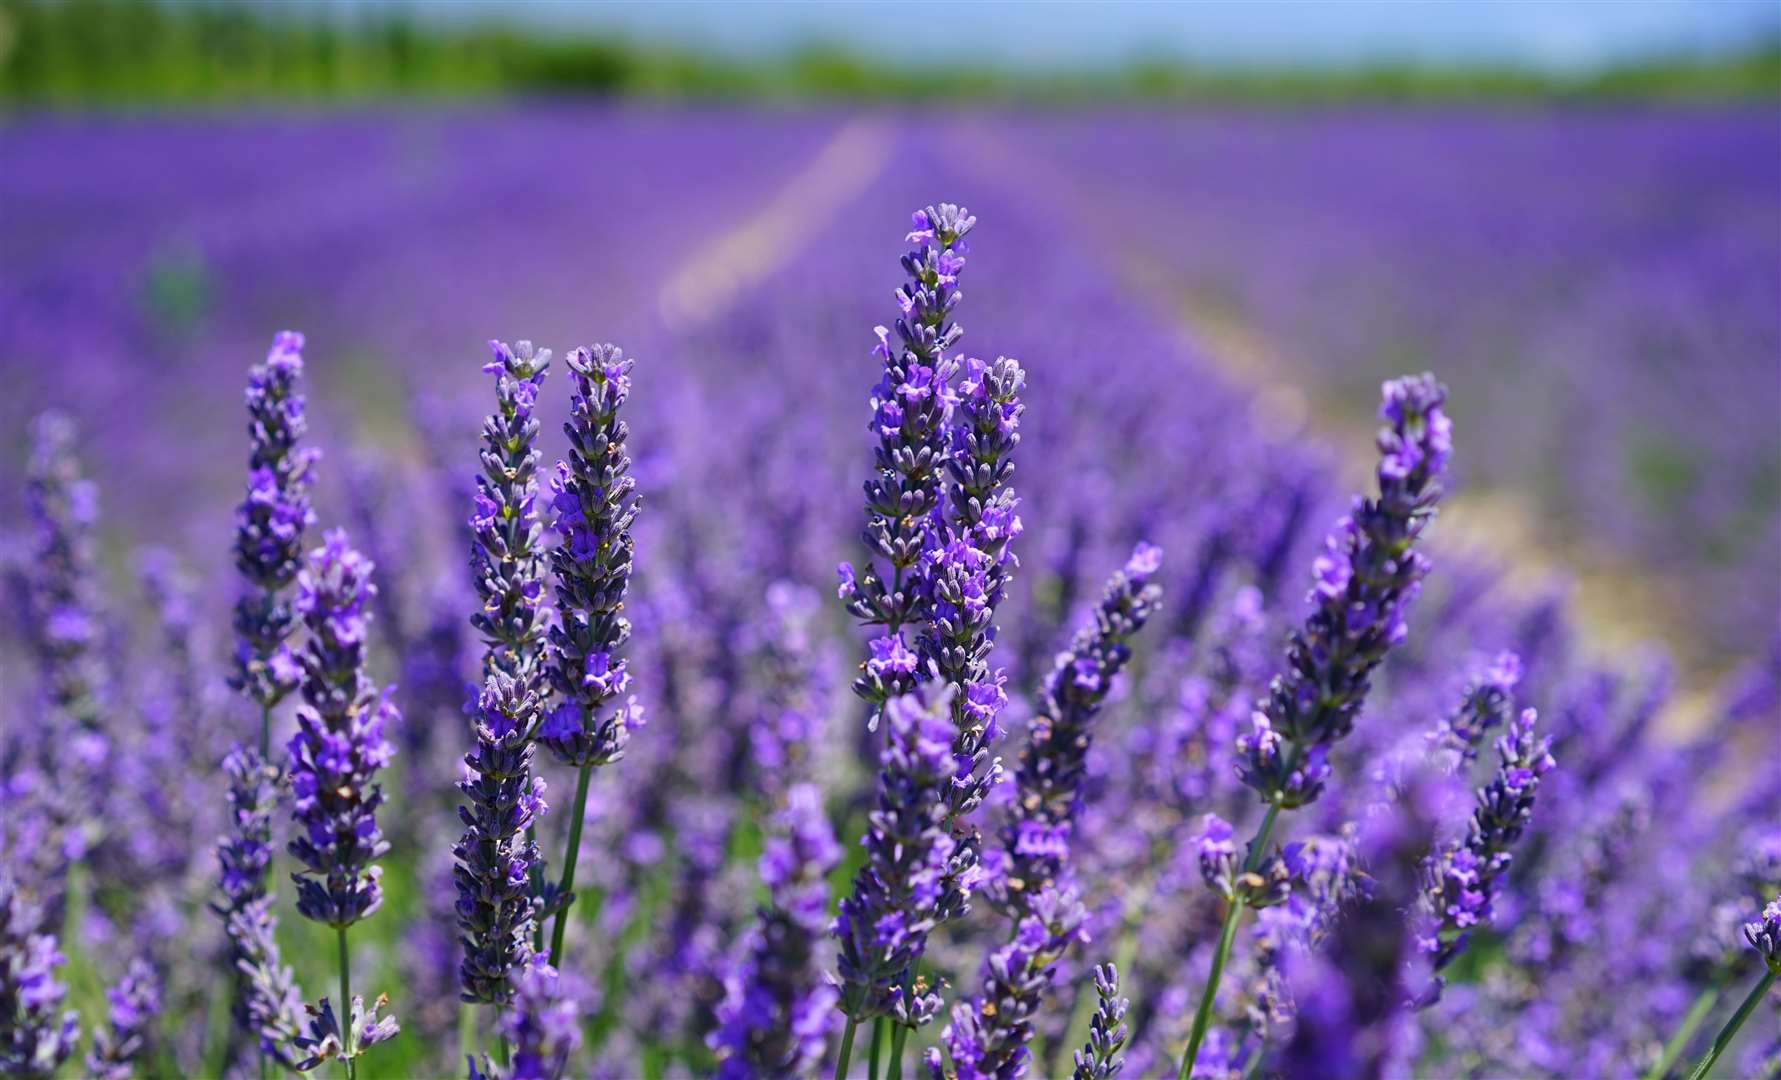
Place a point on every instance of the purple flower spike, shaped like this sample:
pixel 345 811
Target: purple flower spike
pixel 778 1009
pixel 341 742
pixel 270 521
pixel 595 500
pixel 34 1038
pixel 883 925
pixel 507 562
pixel 542 1026
pixel 64 618
pixel 1100 1058
pixel 1764 935
pixel 1363 587
pixel 135 1003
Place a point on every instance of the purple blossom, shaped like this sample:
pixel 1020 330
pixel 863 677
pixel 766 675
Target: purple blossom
pixel 1099 1058
pixel 135 1003
pixel 341 742
pixel 542 1026
pixel 507 562
pixel 34 1039
pixel 1764 935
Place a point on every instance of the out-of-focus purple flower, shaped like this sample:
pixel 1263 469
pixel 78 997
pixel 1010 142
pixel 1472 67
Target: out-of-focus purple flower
pixel 1488 703
pixel 988 1036
pixel 595 500
pixel 1099 1058
pixel 507 563
pixel 1363 586
pixel 778 1009
pixel 34 1039
pixel 542 1026
pixel 1461 879
pixel 1052 768
pixel 883 924
pixel 341 742
pixel 63 508
pixel 269 523
pixel 496 909
pixel 135 1003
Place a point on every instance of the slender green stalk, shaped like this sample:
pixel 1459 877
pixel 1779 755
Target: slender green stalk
pixel 265 753
pixel 1703 1004
pixel 877 1049
pixel 466 1031
pixel 503 1052
pixel 846 1049
pixel 898 1038
pixel 345 1011
pixel 576 813
pixel 537 887
pixel 1203 1018
pixel 1730 1030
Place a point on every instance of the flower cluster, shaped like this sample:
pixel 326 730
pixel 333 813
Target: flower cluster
pixel 541 1025
pixel 1764 936
pixel 778 1009
pixel 341 742
pixel 135 1003
pixel 1049 779
pixel 1099 1058
pixel 506 561
pixel 34 1039
pixel 911 409
pixel 1364 583
pixel 1264 886
pixel 595 500
pixel 270 521
pixel 63 506
pixel 495 857
pixel 883 924
pixel 1487 704
pixel 988 1037
pixel 1462 877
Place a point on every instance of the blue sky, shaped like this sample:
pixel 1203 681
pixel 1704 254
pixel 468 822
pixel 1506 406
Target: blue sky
pixel 1552 34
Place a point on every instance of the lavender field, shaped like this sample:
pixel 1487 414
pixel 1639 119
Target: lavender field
pixel 1188 706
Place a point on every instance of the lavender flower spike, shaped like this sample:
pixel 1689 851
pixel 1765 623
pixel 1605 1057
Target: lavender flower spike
pixel 340 743
pixel 777 1009
pixel 883 925
pixel 1365 581
pixel 1764 936
pixel 988 1037
pixel 1049 779
pixel 541 1025
pixel 1461 881
pixel 1100 1058
pixel 506 561
pixel 135 1002
pixel 911 407
pixel 269 525
pixel 595 499
pixel 34 1039
pixel 63 506
pixel 496 908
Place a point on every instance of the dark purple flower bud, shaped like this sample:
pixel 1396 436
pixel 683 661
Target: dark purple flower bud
pixel 270 521
pixel 883 925
pixel 988 1036
pixel 778 1008
pixel 1362 588
pixel 595 500
pixel 1461 879
pixel 35 1039
pixel 507 560
pixel 342 741
pixel 542 1026
pixel 135 1003
pixel 1100 1059
pixel 496 909
pixel 1048 793
pixel 1764 935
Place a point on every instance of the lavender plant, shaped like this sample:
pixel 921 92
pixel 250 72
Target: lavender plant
pixel 540 1024
pixel 595 499
pixel 34 1039
pixel 1099 1058
pixel 120 1046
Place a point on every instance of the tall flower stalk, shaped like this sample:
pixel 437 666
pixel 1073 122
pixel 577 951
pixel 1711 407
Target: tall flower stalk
pixel 1363 585
pixel 340 745
pixel 595 499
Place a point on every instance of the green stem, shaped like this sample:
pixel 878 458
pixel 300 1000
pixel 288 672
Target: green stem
pixel 1703 1004
pixel 466 1031
pixel 265 732
pixel 576 813
pixel 1227 935
pixel 345 1011
pixel 537 876
pixel 877 1049
pixel 1730 1030
pixel 846 1049
pixel 898 1038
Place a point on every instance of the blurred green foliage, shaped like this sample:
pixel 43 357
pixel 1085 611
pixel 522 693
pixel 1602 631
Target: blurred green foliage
pixel 126 52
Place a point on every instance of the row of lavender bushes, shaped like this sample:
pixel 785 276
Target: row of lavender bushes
pixel 1050 874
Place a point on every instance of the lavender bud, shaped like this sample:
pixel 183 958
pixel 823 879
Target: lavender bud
pixel 34 1039
pixel 270 521
pixel 883 925
pixel 594 497
pixel 496 910
pixel 340 744
pixel 323 1041
pixel 1487 704
pixel 506 561
pixel 541 1025
pixel 1765 935
pixel 1099 1058
pixel 135 1003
